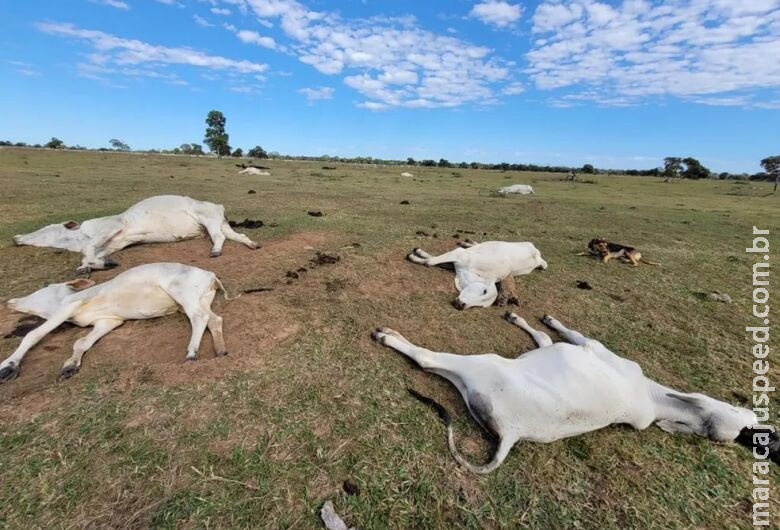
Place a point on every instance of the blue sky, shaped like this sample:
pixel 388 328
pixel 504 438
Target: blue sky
pixel 616 84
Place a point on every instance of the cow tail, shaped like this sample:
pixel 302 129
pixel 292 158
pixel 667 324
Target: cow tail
pixel 224 291
pixel 499 456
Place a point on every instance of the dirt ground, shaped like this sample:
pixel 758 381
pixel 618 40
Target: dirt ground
pixel 305 400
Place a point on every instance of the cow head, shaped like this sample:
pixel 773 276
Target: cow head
pixel 477 293
pixel 66 236
pixel 46 301
pixel 707 417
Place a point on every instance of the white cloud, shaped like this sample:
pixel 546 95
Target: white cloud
pixel 372 105
pixel 497 13
pixel 390 61
pixel 623 53
pixel 112 3
pixel 116 56
pixel 200 21
pixel 25 69
pixel 221 11
pixel 513 89
pixel 170 3
pixel 317 94
pixel 253 37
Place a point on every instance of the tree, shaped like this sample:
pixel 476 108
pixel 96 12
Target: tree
pixel 238 153
pixel 694 169
pixel 257 152
pixel 428 163
pixel 771 165
pixel 588 169
pixel 443 162
pixel 216 137
pixel 411 161
pixel 55 143
pixel 672 167
pixel 119 145
pixel 191 149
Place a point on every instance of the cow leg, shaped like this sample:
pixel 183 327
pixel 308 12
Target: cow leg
pixel 541 338
pixel 214 229
pixel 427 359
pixel 506 292
pixel 232 235
pixel 196 305
pixel 101 329
pixel 215 328
pixel 214 323
pixel 199 319
pixel 467 243
pixel 574 337
pixel 431 261
pixel 9 368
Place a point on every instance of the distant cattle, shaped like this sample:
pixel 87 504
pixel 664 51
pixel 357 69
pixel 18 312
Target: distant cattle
pixel 520 189
pixel 147 291
pixel 254 171
pixel 158 219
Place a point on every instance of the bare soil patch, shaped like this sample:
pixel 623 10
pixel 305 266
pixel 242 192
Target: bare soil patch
pixel 253 323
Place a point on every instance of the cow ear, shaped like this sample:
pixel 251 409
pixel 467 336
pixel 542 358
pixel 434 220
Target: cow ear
pixel 71 225
pixel 80 284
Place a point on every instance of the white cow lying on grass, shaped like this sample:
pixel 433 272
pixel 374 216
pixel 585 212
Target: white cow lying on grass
pixel 479 266
pixel 154 220
pixel 143 292
pixel 521 189
pixel 561 390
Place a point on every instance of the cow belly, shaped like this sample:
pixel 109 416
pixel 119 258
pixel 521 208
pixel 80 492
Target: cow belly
pixel 163 228
pixel 138 304
pixel 566 390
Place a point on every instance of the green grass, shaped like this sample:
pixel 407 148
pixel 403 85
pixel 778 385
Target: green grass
pixel 262 438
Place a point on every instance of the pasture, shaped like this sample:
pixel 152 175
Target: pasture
pixel 305 400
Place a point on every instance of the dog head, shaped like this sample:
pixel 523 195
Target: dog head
pixel 598 245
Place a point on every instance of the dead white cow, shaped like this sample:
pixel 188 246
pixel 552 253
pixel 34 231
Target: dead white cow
pixel 147 291
pixel 560 390
pixel 158 219
pixel 254 171
pixel 520 189
pixel 479 266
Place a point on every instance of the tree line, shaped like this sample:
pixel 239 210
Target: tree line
pixel 218 142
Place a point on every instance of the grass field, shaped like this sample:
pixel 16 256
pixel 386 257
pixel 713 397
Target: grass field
pixel 305 401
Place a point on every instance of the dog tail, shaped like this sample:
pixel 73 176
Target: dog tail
pixel 224 291
pixel 503 447
pixel 643 260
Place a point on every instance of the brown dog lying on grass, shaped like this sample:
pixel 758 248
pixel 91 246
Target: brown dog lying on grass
pixel 606 251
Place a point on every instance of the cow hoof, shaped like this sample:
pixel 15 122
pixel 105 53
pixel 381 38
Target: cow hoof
pixel 110 264
pixel 547 320
pixel 8 373
pixel 216 254
pixel 378 335
pixel 83 271
pixel 509 316
pixel 256 245
pixel 69 371
pixel 221 354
